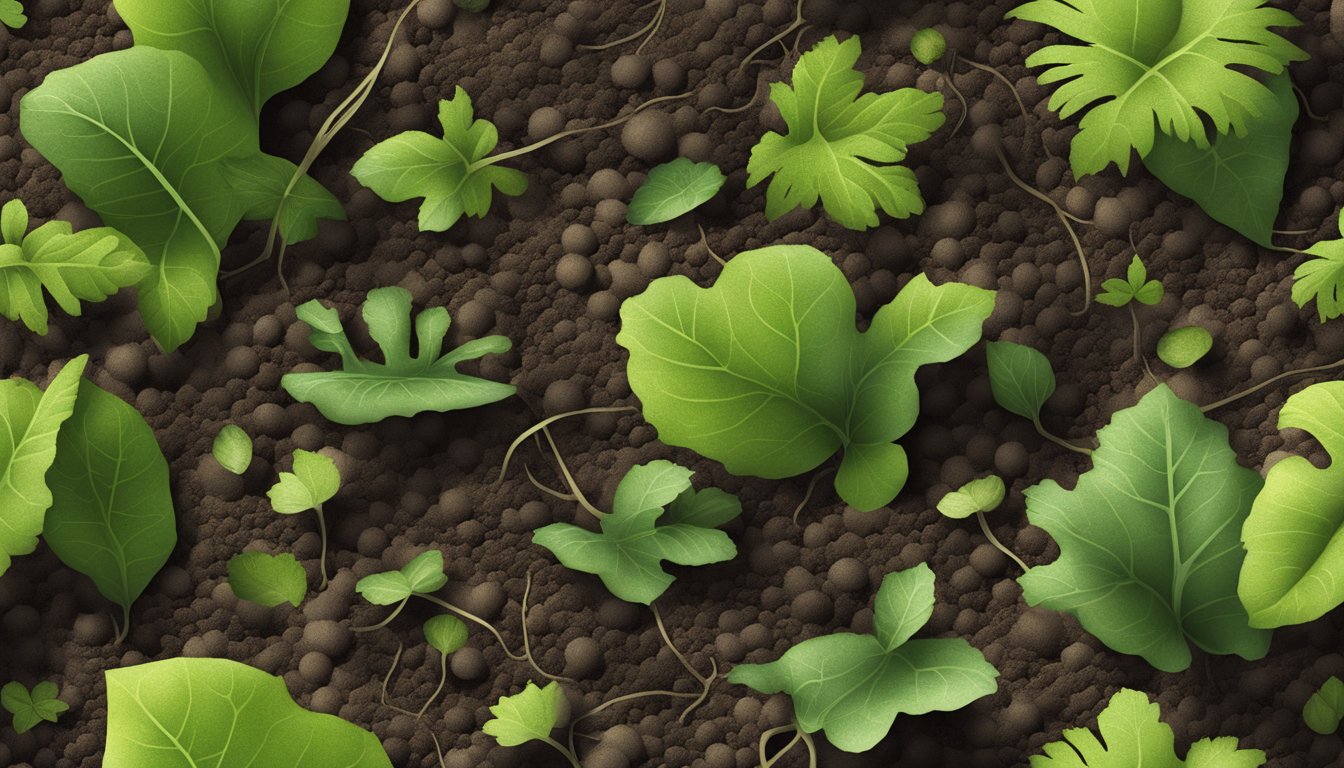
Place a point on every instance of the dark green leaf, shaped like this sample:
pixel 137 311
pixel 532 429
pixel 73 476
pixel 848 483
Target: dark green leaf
pixel 1020 377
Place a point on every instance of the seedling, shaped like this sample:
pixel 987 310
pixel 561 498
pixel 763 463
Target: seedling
pixel 314 481
pixel 1183 347
pixel 979 497
pixel 85 266
pixel 233 449
pixel 673 189
pixel 12 15
pixel 530 715
pixel 1325 709
pixel 854 686
pixel 1022 380
pixel 364 392
pixel 32 707
pixel 447 635
pixel 1123 293
pixel 268 580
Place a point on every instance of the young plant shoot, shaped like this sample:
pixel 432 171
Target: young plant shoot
pixel 314 481
pixel 32 707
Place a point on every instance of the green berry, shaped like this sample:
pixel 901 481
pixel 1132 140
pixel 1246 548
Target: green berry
pixel 928 45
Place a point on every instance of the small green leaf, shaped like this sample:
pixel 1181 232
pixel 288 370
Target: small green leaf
pixel 313 482
pixel 928 46
pixel 422 576
pixel 673 189
pixel 445 633
pixel 1020 377
pixel 527 716
pixel 982 495
pixel 1322 278
pixel 1136 273
pixel 1183 347
pixel 29 709
pixel 12 15
pixel 1325 708
pixel 14 222
pixel 1149 293
pixel 268 580
pixel 233 449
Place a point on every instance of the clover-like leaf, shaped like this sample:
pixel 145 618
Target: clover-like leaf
pixel 1325 709
pixel 233 449
pixel 1020 378
pixel 639 534
pixel 445 633
pixel 1148 538
pixel 268 580
pixel 363 392
pixel 673 189
pixel 314 481
pixel 530 715
pixel 31 708
pixel 1135 287
pixel 842 148
pixel 767 373
pixel 982 495
pixel 12 15
pixel 421 576
pixel 854 686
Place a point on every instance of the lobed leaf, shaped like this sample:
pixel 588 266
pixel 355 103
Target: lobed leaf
pixel 422 576
pixel 530 715
pixel 314 481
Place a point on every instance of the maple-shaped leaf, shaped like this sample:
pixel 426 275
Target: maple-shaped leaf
pixel 454 174
pixel 1322 278
pixel 842 148
pixel 1157 64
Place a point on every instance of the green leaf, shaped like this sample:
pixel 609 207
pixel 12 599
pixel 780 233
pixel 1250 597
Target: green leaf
pixel 1149 64
pixel 527 716
pixel 854 686
pixel 453 174
pixel 673 189
pixel 1131 734
pixel 1325 709
pixel 14 222
pixel 313 482
pixel 138 135
pixel 445 633
pixel 1148 538
pixel 638 535
pixel 12 15
pixel 767 373
pixel 1237 179
pixel 1294 571
pixel 843 148
pixel 112 516
pixel 982 495
pixel 1020 377
pixel 268 580
pixel 214 712
pixel 422 576
pixel 928 46
pixel 1136 285
pixel 1183 347
pixel 364 392
pixel 261 184
pixel 1322 278
pixel 27 450
pixel 233 449
pixel 29 709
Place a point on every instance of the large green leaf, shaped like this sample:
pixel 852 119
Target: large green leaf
pixel 842 148
pixel 1294 571
pixel 112 515
pixel 1148 539
pixel 854 686
pixel 33 421
pixel 1237 179
pixel 138 135
pixel 213 713
pixel 767 373
pixel 1157 64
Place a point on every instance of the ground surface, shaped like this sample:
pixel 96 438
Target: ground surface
pixel 429 481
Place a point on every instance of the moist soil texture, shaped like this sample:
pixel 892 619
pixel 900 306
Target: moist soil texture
pixel 549 271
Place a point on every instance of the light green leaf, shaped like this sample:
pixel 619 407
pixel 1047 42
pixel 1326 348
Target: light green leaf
pixel 268 580
pixel 637 536
pixel 1183 347
pixel 1325 709
pixel 1150 64
pixel 673 189
pixel 445 633
pixel 527 716
pixel 767 373
pixel 842 148
pixel 1322 278
pixel 422 576
pixel 215 713
pixel 1148 538
pixel 854 686
pixel 453 174
pixel 1020 377
pixel 1222 752
pixel 313 482
pixel 27 450
pixel 981 495
pixel 1294 538
pixel 928 46
pixel 112 516
pixel 12 15
pixel 14 222
pixel 233 449
pixel 1237 179
pixel 261 184
pixel 29 709
pixel 364 392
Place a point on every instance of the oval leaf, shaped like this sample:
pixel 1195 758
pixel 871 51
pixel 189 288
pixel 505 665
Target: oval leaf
pixel 1020 377
pixel 446 633
pixel 233 449
pixel 1183 347
pixel 673 189
pixel 268 580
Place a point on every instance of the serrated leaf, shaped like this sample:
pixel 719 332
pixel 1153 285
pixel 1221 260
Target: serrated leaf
pixel 1020 377
pixel 1322 279
pixel 842 148
pixel 1183 347
pixel 527 716
pixel 1148 537
pixel 31 708
pixel 1146 65
pixel 673 189
pixel 233 449
pixel 268 580
pixel 981 495
pixel 12 15
pixel 445 633
pixel 27 451
pixel 214 712
pixel 314 481
pixel 767 373
pixel 854 686
pixel 112 516
pixel 453 174
pixel 423 575
pixel 1325 709
pixel 364 392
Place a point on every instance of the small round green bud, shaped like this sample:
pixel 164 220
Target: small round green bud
pixel 928 45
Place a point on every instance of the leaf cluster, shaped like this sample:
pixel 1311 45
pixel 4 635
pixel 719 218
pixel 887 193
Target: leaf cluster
pixel 1135 287
pixel 423 575
pixel 32 707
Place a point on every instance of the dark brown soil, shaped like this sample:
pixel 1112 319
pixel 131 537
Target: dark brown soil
pixel 548 270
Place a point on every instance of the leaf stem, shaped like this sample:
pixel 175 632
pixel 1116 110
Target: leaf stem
pixel 443 678
pixel 994 540
pixel 395 612
pixel 1026 117
pixel 533 147
pixel 811 486
pixel 569 478
pixel 1267 382
pixel 562 749
pixel 503 470
pixel 382 698
pixel 1138 351
pixel 651 28
pixel 124 629
pixel 797 22
pixel 705 682
pixel 619 700
pixel 1061 442
pixel 705 242
pixel 525 656
pixel 322 529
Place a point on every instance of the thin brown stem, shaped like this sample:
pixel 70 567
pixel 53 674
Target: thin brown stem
pixel 705 682
pixel 1026 116
pixel 756 94
pixel 613 702
pixel 705 242
pixel 1061 442
pixel 811 748
pixel 569 478
pixel 533 147
pixel 546 489
pixel 1306 105
pixel 811 486
pixel 395 612
pixel 122 630
pixel 797 22
pixel 1284 249
pixel 766 736
pixel 322 530
pixel 1138 349
pixel 1064 218
pixel 438 750
pixel 382 698
pixel 994 540
pixel 534 429
pixel 651 28
pixel 443 678
pixel 965 107
pixel 525 656
pixel 1272 380
pixel 1293 232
